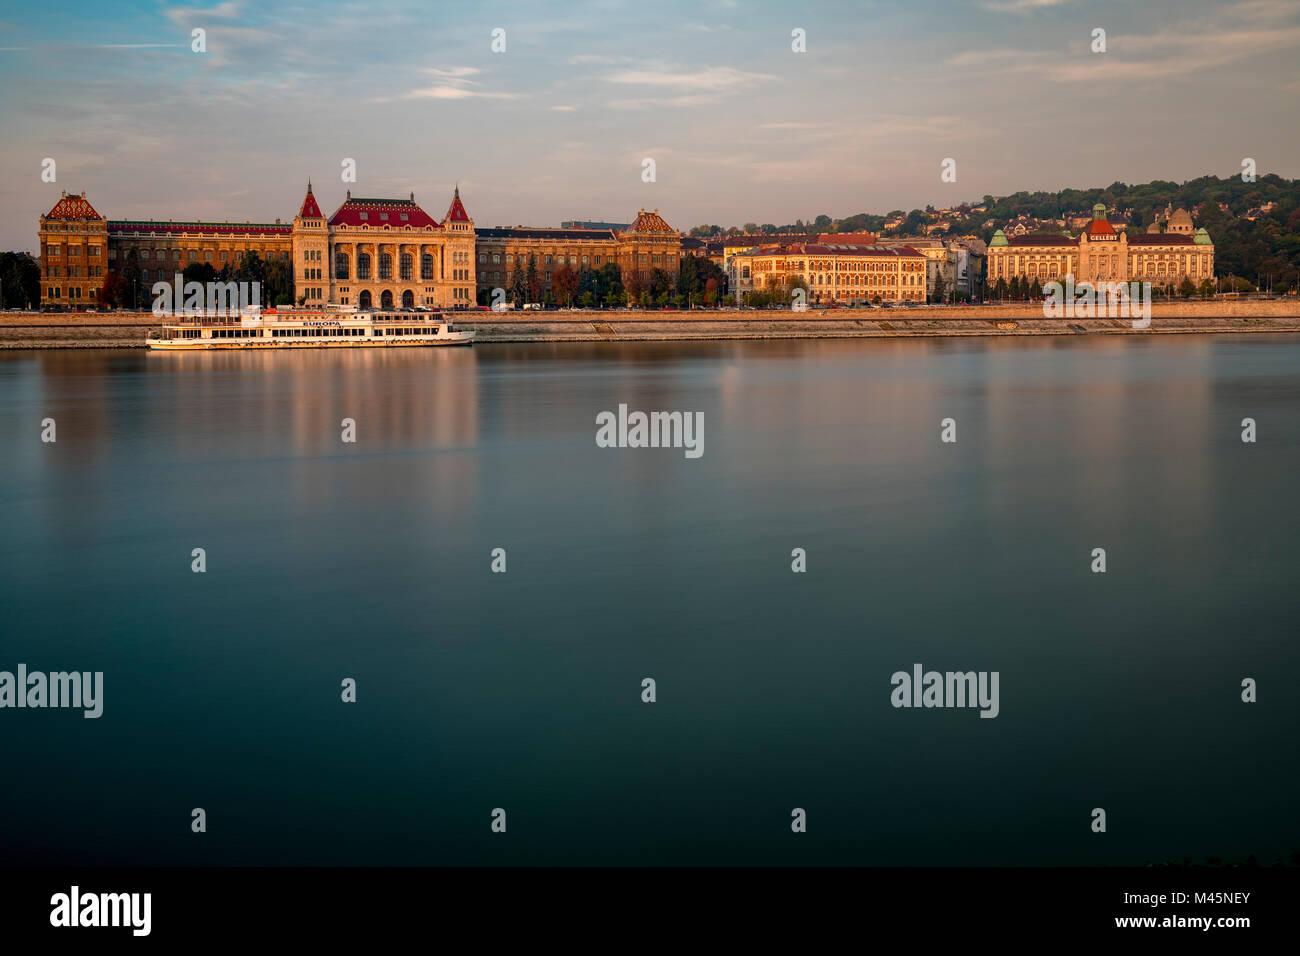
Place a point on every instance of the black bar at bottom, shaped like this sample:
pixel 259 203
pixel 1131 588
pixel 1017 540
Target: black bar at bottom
pixel 298 905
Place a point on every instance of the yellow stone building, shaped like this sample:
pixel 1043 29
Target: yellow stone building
pixel 1101 254
pixel 384 253
pixel 833 272
pixel 370 252
pixel 649 243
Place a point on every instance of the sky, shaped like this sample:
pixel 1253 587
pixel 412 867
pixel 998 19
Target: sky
pixel 558 125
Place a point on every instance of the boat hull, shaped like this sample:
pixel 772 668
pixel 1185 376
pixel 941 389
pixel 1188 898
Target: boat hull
pixel 258 345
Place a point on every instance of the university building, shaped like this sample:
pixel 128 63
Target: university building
pixel 1103 254
pixel 649 243
pixel 370 252
pixel 79 248
pixel 834 272
pixel 384 253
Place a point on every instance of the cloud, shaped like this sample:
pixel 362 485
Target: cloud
pixel 183 16
pixel 713 79
pixel 1019 6
pixel 1243 31
pixel 563 109
pixel 455 85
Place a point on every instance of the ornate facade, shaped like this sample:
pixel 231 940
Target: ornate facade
pixel 380 252
pixel 384 253
pixel 649 243
pixel 833 272
pixel 1101 254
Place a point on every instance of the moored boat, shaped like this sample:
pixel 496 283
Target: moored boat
pixel 298 328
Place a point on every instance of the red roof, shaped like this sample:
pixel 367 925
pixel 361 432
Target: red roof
pixel 1100 227
pixel 650 222
pixel 456 211
pixel 1161 239
pixel 378 213
pixel 124 226
pixel 833 249
pixel 309 208
pixel 73 207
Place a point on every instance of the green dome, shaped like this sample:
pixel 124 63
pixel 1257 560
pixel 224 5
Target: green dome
pixel 999 239
pixel 1202 238
pixel 1099 211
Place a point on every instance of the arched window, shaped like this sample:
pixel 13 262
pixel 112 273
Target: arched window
pixel 386 268
pixel 386 299
pixel 363 266
pixel 407 265
pixel 364 300
pixel 426 266
pixel 340 265
pixel 408 299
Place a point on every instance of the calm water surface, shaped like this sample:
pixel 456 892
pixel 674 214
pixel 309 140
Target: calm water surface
pixel 522 690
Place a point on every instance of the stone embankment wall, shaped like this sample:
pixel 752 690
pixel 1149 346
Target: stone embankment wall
pixel 128 329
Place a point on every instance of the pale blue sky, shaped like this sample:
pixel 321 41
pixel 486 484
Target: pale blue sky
pixel 741 128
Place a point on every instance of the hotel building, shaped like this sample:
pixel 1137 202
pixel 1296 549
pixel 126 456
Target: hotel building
pixel 1102 254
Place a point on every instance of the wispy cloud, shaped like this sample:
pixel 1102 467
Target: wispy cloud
pixel 1019 6
pixel 185 16
pixel 712 79
pixel 454 84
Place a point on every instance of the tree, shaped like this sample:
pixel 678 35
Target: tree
pixel 1187 288
pixel 20 281
pixel 564 283
pixel 517 286
pixel 710 291
pixel 113 292
pixel 532 281
pixel 634 285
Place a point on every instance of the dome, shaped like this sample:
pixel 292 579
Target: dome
pixel 1180 222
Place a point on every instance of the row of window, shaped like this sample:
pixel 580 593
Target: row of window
pixel 406 266
pixel 55 251
pixel 73 272
pixel 55 292
pixel 192 255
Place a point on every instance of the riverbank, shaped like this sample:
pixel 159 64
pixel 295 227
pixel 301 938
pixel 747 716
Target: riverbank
pixel 128 330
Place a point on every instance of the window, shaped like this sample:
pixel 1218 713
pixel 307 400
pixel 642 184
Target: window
pixel 482 258
pixel 385 265
pixel 365 215
pixel 340 265
pixel 405 217
pixel 407 266
pixel 384 216
pixel 426 266
pixel 363 265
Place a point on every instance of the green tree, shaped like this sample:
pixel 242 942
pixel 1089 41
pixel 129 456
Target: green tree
pixel 20 281
pixel 517 285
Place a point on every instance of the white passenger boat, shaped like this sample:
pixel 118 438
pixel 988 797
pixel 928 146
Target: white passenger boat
pixel 299 328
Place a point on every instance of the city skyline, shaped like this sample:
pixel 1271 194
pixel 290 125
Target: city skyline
pixel 741 127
